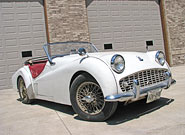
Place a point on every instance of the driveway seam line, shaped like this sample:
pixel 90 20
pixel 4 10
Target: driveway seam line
pixel 64 123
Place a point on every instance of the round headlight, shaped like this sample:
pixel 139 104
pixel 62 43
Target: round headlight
pixel 160 58
pixel 118 63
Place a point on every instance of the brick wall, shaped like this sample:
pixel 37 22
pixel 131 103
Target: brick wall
pixel 175 17
pixel 67 20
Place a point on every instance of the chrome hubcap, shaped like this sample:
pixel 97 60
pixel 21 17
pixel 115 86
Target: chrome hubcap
pixel 90 98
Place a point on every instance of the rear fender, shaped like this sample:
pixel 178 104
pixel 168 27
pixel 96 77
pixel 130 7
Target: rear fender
pixel 26 75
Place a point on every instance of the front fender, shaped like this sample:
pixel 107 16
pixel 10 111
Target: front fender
pixel 102 73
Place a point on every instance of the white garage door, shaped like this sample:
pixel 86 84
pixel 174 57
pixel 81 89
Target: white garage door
pixel 22 34
pixel 125 25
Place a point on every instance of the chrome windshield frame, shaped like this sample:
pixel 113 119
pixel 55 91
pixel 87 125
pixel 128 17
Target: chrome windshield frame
pixel 46 47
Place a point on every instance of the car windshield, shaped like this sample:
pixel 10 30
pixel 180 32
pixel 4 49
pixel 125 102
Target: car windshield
pixel 60 49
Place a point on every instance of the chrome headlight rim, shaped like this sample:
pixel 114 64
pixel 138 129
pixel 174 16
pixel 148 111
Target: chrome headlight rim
pixel 159 60
pixel 113 64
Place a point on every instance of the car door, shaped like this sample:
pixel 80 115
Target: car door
pixel 42 86
pixel 53 83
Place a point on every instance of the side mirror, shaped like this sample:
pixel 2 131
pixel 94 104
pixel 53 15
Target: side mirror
pixel 81 51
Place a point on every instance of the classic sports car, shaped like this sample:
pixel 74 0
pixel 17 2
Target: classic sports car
pixel 75 73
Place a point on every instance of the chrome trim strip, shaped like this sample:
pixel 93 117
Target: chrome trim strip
pixel 138 92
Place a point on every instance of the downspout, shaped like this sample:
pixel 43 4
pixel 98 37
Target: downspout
pixel 165 32
pixel 47 26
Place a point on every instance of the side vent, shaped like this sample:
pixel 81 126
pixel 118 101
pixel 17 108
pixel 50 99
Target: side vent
pixel 107 46
pixel 26 54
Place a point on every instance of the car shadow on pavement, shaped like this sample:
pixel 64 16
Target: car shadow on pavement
pixel 122 114
pixel 55 106
pixel 136 110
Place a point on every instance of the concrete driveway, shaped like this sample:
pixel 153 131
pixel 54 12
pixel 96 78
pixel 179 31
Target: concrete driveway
pixel 163 117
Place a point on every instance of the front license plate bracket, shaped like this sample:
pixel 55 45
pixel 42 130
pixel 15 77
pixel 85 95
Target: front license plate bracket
pixel 153 95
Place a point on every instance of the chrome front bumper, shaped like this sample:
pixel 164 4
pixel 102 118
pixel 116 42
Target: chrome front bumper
pixel 138 92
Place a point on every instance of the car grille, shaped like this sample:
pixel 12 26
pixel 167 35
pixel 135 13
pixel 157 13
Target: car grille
pixel 145 78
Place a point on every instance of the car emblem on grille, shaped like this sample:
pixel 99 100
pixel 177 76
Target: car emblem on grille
pixel 139 58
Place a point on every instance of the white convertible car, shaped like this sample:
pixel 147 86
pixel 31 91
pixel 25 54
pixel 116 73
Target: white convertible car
pixel 75 73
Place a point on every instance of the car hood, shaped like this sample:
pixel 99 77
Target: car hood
pixel 134 61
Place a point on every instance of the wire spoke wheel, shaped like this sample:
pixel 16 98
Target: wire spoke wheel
pixel 87 99
pixel 23 91
pixel 90 98
pixel 22 88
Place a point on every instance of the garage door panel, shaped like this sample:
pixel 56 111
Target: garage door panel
pixel 107 35
pixel 38 40
pixel 12 68
pixel 94 36
pixel 115 13
pixel 93 12
pixel 39 52
pixel 2 56
pixel 25 41
pixel 8 17
pixel 102 13
pixel 22 16
pixel 116 24
pixel 158 42
pixel 1 45
pixel 24 29
pixel 10 29
pixel 10 42
pixel 21 5
pixel 116 18
pixel 0 28
pixel 95 30
pixel 37 4
pixel 38 27
pixel 3 84
pixel 118 35
pixel 39 34
pixel 14 61
pixel 138 27
pixel 105 30
pixel 36 22
pixel 157 32
pixel 3 76
pixel 8 24
pixel 124 13
pixel 25 34
pixel 104 19
pixel 2 69
pixel 105 24
pixel 36 15
pixel 36 8
pixel 12 55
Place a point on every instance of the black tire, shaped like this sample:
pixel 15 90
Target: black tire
pixel 90 104
pixel 23 91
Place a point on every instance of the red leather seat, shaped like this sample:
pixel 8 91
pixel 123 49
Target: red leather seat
pixel 36 69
